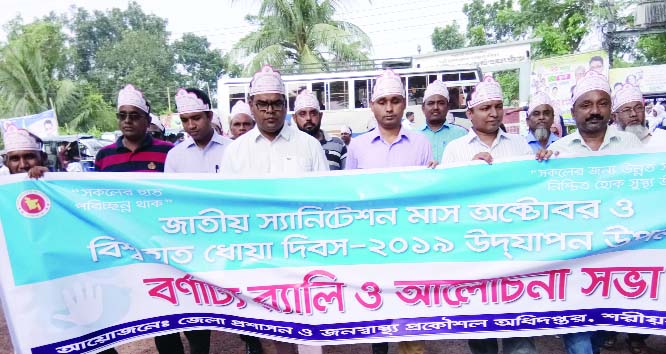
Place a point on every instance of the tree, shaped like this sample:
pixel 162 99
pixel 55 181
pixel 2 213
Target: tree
pixel 510 83
pixel 200 63
pixel 652 48
pixel 301 33
pixel 448 37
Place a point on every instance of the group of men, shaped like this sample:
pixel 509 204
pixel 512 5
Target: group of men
pixel 262 144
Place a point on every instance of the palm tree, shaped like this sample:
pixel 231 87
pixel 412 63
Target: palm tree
pixel 301 33
pixel 26 86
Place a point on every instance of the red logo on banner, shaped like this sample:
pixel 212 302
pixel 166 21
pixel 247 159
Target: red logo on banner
pixel 33 204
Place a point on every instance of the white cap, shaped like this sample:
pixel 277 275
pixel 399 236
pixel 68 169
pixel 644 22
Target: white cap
pixel 241 108
pixel 266 80
pixel 627 93
pixel 485 91
pixel 388 83
pixel 306 99
pixel 538 99
pixel 345 129
pixel 130 96
pixel 436 87
pixel 592 81
pixel 189 102
pixel 157 121
pixel 21 139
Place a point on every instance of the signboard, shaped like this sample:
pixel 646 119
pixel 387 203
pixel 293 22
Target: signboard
pixel 651 79
pixel 43 124
pixel 483 57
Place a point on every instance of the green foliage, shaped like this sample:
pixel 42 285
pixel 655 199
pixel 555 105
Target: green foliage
pixel 447 38
pixel 652 48
pixel 201 64
pixel 510 83
pixel 301 33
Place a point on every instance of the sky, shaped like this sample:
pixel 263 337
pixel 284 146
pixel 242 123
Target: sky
pixel 396 27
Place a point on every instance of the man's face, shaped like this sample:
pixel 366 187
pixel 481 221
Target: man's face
pixel 597 66
pixel 631 113
pixel 435 109
pixel 23 160
pixel 308 120
pixel 269 112
pixel 197 124
pixel 388 111
pixel 133 122
pixel 592 111
pixel 155 131
pixel 487 117
pixel 346 137
pixel 241 124
pixel 542 116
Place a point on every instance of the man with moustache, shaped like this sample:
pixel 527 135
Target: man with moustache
pixel 435 108
pixel 592 111
pixel 629 115
pixel 135 150
pixel 24 154
pixel 308 119
pixel 272 147
pixel 241 120
pixel 540 118
pixel 486 141
pixel 346 134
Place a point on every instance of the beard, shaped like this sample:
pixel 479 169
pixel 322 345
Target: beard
pixel 640 130
pixel 541 134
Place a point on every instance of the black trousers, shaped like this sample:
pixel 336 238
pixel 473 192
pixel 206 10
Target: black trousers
pixel 171 343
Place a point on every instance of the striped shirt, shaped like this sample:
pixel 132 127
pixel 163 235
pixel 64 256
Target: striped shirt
pixel 149 157
pixel 335 150
pixel 504 146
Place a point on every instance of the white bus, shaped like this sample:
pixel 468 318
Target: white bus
pixel 344 96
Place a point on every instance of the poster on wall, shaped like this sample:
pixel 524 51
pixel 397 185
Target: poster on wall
pixel 650 79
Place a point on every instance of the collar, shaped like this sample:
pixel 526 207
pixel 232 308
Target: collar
pixel 286 133
pixel 531 139
pixel 427 127
pixel 471 135
pixel 216 138
pixel 147 141
pixel 375 134
pixel 611 134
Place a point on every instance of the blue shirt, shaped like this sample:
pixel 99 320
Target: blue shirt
pixel 445 134
pixel 535 144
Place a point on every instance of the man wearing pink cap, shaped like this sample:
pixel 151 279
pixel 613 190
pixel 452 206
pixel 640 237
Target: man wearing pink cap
pixel 486 141
pixel 629 115
pixel 390 144
pixel 592 111
pixel 23 153
pixel 272 147
pixel 308 119
pixel 240 120
pixel 541 115
pixel 435 107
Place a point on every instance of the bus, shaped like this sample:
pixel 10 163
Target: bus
pixel 344 97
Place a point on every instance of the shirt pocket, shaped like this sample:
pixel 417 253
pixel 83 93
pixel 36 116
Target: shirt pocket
pixel 296 164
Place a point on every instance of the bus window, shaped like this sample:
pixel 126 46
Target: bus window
pixel 339 94
pixel 468 75
pixel 455 99
pixel 416 89
pixel 431 79
pixel 450 77
pixel 292 91
pixel 319 89
pixel 362 93
pixel 236 93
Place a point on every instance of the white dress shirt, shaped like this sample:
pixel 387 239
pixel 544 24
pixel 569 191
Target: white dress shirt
pixel 504 146
pixel 656 140
pixel 292 151
pixel 615 141
pixel 189 157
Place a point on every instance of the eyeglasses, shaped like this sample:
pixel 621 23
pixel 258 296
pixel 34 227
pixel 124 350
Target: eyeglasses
pixel 133 116
pixel 635 109
pixel 275 105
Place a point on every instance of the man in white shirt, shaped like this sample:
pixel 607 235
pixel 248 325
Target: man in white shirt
pixel 629 115
pixel 592 111
pixel 272 147
pixel 240 120
pixel 202 151
pixel 486 141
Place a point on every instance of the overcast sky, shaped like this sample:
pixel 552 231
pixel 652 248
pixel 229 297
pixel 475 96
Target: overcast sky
pixel 396 27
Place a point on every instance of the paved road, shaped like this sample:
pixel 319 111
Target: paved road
pixel 227 343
